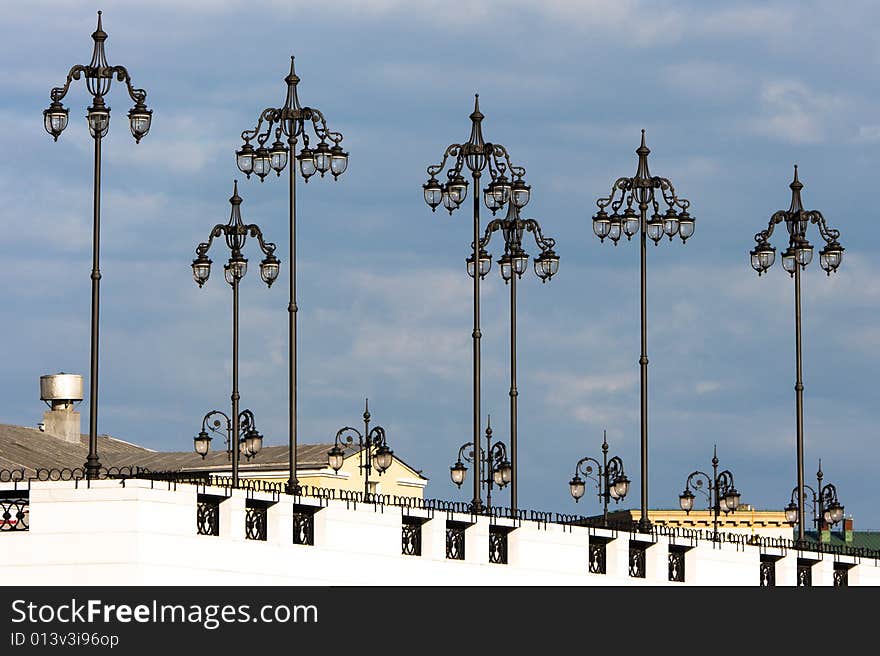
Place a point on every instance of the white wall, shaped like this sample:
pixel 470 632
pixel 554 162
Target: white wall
pixel 137 532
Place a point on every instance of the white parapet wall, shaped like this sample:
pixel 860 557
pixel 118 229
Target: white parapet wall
pixel 140 532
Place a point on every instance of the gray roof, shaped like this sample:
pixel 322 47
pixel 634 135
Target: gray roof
pixel 30 449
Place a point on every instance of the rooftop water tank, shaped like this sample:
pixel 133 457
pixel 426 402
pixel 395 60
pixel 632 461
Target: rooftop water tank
pixel 60 391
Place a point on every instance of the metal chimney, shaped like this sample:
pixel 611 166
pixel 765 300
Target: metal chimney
pixel 60 391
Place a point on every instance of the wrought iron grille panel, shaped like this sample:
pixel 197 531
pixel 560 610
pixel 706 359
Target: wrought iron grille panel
pixel 768 574
pixel 411 537
pixel 255 523
pixel 208 516
pixel 597 558
pixel 676 566
pixel 303 527
pixel 804 573
pixel 14 514
pixel 497 546
pixel 454 542
pixel 636 561
pixel 841 577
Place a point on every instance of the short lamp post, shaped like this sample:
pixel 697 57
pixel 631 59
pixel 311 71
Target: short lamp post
pixel 291 121
pixel 826 505
pixel 635 210
pixel 722 495
pixel 217 421
pixel 497 470
pixel 796 257
pixel 373 445
pixel 235 233
pixel 609 477
pixel 98 76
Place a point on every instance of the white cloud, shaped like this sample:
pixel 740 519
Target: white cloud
pixel 793 112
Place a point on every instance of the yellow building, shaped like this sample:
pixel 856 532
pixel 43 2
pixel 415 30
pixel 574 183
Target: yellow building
pixel 746 519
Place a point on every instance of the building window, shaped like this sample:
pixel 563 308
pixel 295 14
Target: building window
pixel 14 511
pixel 676 565
pixel 497 545
pixel 841 575
pixel 804 572
pixel 255 521
pixel 636 561
pixel 597 557
pixel 768 573
pixel 208 515
pixel 411 537
pixel 303 526
pixel 455 541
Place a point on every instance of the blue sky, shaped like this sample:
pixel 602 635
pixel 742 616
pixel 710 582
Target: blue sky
pixel 731 96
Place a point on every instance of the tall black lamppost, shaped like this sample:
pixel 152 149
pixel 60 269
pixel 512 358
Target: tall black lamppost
pixel 291 120
pixel 640 195
pixel 249 444
pixel 491 466
pixel 796 257
pixel 477 155
pixel 610 478
pixel 373 448
pixel 721 493
pixel 516 261
pixel 99 77
pixel 826 505
pixel 235 232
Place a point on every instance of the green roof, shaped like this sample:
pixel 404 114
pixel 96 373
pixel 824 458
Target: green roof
pixel 860 539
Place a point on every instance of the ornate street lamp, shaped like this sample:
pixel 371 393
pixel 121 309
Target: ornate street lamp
pixel 630 201
pixel 826 506
pixel 496 470
pixel 373 449
pixel 98 76
pixel 476 155
pixel 722 495
pixel 249 444
pixel 291 121
pixel 235 233
pixel 796 257
pixel 512 265
pixel 610 478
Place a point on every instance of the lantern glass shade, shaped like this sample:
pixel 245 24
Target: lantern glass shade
pixel 506 472
pixel 278 157
pixel 383 458
pixel 804 253
pixel 788 260
pixel 269 269
pixel 630 222
pixel 322 158
pixel 235 270
pixel 686 500
pixel 685 226
pixel 614 228
pixel 244 159
pixel 732 499
pixel 449 201
pixel 827 517
pixel 433 193
pixel 457 189
pixel 497 478
pixel 338 161
pixel 139 120
pixel 485 263
pixel 522 193
pixel 791 513
pixel 655 228
pixel 621 486
pixel 202 443
pixel 601 224
pixel 830 257
pixel 520 262
pixel 307 165
pixel 99 121
pixel 55 119
pixel 457 473
pixel 546 265
pixel 505 267
pixel 335 458
pixel 670 223
pixel 489 198
pixel 254 442
pixel 612 492
pixel 836 512
pixel 262 162
pixel 201 267
pixel 501 188
pixel 577 487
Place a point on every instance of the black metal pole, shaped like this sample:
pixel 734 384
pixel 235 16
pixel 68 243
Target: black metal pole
pixel 644 522
pixel 92 464
pixel 235 395
pixel 513 391
pixel 716 504
pixel 477 504
pixel 488 465
pixel 292 479
pixel 366 451
pixel 604 479
pixel 821 516
pixel 799 401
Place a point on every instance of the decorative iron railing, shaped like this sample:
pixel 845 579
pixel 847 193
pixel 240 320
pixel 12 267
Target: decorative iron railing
pixel 841 576
pixel 14 514
pixel 208 515
pixel 454 541
pixel 676 565
pixel 255 522
pixel 411 537
pixel 804 573
pixel 768 574
pixel 597 557
pixel 498 545
pixel 304 526
pixel 636 561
